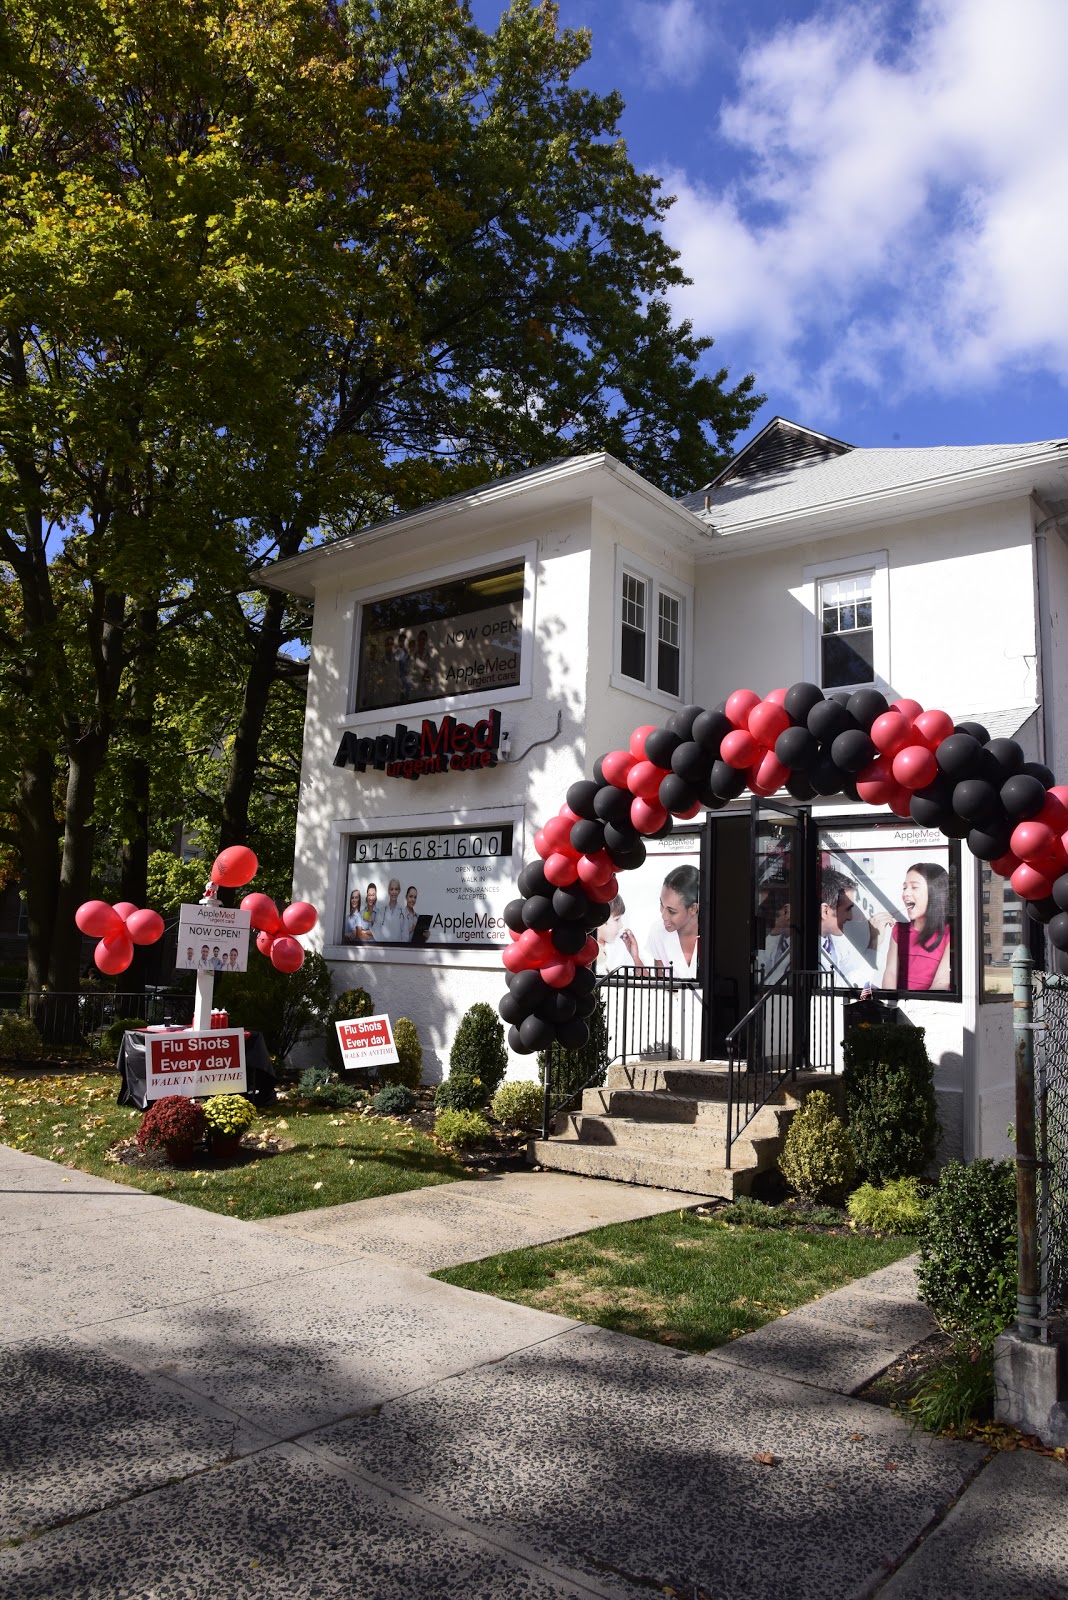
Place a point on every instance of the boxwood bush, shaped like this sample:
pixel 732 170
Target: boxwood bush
pixel 968 1270
pixel 458 1093
pixel 890 1101
pixel 479 1051
pixel 518 1104
pixel 395 1100
pixel 408 1071
pixel 461 1128
pixel 817 1159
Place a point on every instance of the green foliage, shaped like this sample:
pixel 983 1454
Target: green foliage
pixel 228 1115
pixel 324 1088
pixel 817 1159
pixel 172 1123
pixel 173 882
pixel 409 1069
pixel 460 1094
pixel 110 1039
pixel 960 1390
pixel 461 1128
pixel 478 1050
pixel 575 1070
pixel 968 1263
pixel 348 1004
pixel 519 1104
pixel 19 1039
pixel 890 1101
pixel 281 1005
pixel 897 1207
pixel 748 1213
pixel 395 1100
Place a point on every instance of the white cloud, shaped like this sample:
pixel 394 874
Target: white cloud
pixel 675 36
pixel 899 201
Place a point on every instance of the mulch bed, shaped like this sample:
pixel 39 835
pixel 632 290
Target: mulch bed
pixel 128 1153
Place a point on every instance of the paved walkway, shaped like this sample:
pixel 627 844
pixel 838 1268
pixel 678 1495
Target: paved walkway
pixel 195 1408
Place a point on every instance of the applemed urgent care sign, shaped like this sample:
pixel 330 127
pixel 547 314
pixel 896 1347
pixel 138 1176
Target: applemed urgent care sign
pixel 445 746
pixel 366 1042
pixel 195 1064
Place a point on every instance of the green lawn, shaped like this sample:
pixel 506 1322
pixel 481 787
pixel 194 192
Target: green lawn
pixel 682 1279
pixel 334 1156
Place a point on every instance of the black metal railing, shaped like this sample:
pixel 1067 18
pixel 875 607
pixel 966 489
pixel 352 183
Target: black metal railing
pixel 791 1028
pixel 651 1016
pixel 73 1027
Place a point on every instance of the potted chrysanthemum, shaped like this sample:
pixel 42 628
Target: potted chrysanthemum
pixel 228 1116
pixel 175 1124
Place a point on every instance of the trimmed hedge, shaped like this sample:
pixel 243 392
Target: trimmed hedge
pixel 890 1101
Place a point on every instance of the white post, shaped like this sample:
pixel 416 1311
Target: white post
pixel 204 1002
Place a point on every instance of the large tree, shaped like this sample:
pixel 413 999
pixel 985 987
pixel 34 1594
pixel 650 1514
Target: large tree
pixel 271 271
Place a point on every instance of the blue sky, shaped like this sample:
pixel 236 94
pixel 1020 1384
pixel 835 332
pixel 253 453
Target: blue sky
pixel 872 200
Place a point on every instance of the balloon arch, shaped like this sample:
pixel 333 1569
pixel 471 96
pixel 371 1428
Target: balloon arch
pixel 920 764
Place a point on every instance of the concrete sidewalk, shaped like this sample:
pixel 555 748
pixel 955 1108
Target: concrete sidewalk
pixel 202 1409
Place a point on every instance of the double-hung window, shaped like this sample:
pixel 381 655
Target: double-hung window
pixel 847 622
pixel 651 620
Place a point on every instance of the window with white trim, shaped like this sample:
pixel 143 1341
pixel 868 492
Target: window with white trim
pixel 846 622
pixel 651 642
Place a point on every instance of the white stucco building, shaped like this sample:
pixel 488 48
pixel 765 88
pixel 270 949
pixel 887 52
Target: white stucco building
pixel 576 601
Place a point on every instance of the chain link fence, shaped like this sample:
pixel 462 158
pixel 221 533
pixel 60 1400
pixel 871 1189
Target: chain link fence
pixel 1051 1127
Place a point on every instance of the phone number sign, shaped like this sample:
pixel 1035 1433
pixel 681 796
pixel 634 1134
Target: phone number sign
pixel 195 1064
pixel 366 1042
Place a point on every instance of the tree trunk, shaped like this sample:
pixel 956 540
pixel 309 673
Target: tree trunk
pixel 39 834
pixel 133 863
pixel 84 762
pixel 262 674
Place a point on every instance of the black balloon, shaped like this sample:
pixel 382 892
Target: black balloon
pixel 558 1007
pixel 682 722
pixel 929 813
pixel 852 751
pixel 612 804
pixel 585 1004
pixel 827 719
pixel 538 913
pixel 976 802
pixel 573 1035
pixel 660 746
pixel 529 988
pixel 1008 755
pixel 511 1009
pixel 676 795
pixel 708 798
pixel 797 749
pixel 727 782
pixel 516 1044
pixel 571 905
pixel 958 756
pixel 825 777
pixel 569 939
pixel 580 797
pixel 1038 769
pixel 532 879
pixel 620 839
pixel 976 729
pixel 1042 910
pixel 513 916
pixel 865 705
pixel 799 700
pixel 851 792
pixel 691 763
pixel 989 843
pixel 1060 891
pixel 627 857
pixel 598 771
pixel 1023 796
pixel 1058 930
pixel 954 828
pixel 588 837
pixel 584 981
pixel 536 1033
pixel 710 729
pixel 798 785
pixel 599 913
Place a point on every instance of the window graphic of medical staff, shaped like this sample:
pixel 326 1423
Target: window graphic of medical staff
pixel 918 955
pixel 393 926
pixel 672 944
pixel 838 953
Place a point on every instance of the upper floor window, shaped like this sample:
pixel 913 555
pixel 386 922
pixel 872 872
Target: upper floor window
pixel 463 635
pixel 651 630
pixel 847 639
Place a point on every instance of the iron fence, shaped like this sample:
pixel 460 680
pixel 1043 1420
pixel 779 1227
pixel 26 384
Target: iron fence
pixel 73 1027
pixel 1051 1129
pixel 651 1016
pixel 792 1027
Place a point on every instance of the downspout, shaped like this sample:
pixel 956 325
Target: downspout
pixel 1045 634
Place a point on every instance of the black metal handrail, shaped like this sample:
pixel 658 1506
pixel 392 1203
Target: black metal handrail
pixel 789 1028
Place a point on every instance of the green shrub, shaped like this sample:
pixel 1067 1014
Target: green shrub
pixel 817 1159
pixel 395 1100
pixel 19 1039
pixel 347 1005
pixel 408 1071
pixel 109 1042
pixel 960 1390
pixel 519 1104
pixel 968 1268
pixel 898 1207
pixel 460 1094
pixel 575 1070
pixel 461 1128
pixel 890 1101
pixel 228 1115
pixel 325 1088
pixel 478 1050
pixel 280 1005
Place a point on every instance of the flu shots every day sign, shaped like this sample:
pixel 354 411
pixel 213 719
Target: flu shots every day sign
pixel 195 1064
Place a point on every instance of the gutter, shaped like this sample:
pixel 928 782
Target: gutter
pixel 1045 630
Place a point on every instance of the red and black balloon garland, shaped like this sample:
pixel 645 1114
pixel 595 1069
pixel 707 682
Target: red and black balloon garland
pixel 940 774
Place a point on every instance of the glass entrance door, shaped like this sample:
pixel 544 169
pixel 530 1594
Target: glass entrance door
pixel 779 836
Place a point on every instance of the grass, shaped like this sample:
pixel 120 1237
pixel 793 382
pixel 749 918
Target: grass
pixel 685 1279
pixel 332 1156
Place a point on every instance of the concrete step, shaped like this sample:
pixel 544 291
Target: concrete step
pixel 661 1107
pixel 644 1167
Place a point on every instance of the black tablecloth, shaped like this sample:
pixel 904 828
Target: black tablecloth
pixel 131 1064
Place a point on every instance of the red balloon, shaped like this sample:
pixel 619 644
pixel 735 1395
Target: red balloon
pixel 1031 840
pixel 286 954
pixel 560 869
pixel 1055 811
pixel 932 727
pixel 514 958
pixel 739 705
pixel 588 954
pixel 557 833
pixel 125 908
pixel 559 973
pixel 513 934
pixel 1005 865
pixel 777 696
pixel 537 947
pixel 766 722
pixel 114 954
pixel 915 766
pixel 144 927
pixel 890 733
pixel 1029 883
pixel 637 740
pixel 644 780
pixel 739 749
pixel 264 941
pixel 603 893
pixel 234 867
pixel 684 816
pixel 876 783
pixel 647 816
pixel 542 845
pixel 300 917
pixel 595 869
pixel 899 801
pixel 909 709
pixel 770 774
pixel 262 911
pixel 615 766
pixel 98 919
pixel 568 816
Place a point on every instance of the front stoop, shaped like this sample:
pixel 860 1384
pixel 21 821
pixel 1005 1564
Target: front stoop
pixel 664 1125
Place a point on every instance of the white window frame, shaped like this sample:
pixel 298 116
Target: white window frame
pixel 874 565
pixel 527 553
pixel 656 583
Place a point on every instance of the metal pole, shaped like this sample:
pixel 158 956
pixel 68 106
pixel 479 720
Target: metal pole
pixel 1028 1293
